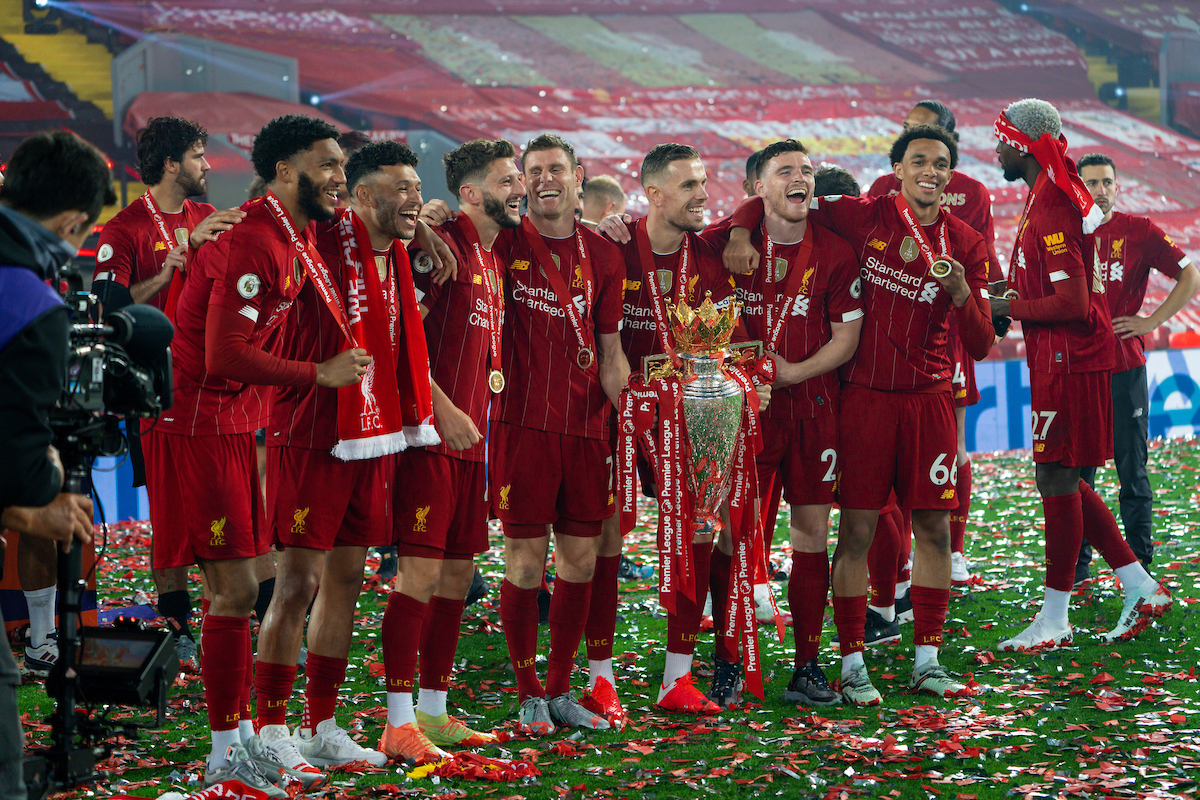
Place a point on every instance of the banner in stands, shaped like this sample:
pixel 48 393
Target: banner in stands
pixel 1134 25
pixel 1000 421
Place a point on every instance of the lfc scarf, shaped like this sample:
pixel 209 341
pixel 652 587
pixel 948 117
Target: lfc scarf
pixel 389 409
pixel 1051 154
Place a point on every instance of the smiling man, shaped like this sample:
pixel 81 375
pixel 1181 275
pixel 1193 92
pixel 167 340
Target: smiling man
pixel 896 417
pixel 229 326
pixel 1066 322
pixel 805 308
pixel 441 508
pixel 327 500
pixel 564 369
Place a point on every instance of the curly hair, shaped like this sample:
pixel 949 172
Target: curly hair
pixel 165 138
pixel 284 137
pixel 549 141
pixel 470 161
pixel 1034 117
pixel 54 172
pixel 373 157
pixel 900 146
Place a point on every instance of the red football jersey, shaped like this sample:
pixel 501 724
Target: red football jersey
pixel 825 295
pixel 1049 249
pixel 457 329
pixel 132 250
pixel 253 270
pixel 307 416
pixel 903 342
pixel 706 273
pixel 965 198
pixel 1125 249
pixel 545 388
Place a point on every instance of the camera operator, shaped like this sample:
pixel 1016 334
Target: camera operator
pixel 54 189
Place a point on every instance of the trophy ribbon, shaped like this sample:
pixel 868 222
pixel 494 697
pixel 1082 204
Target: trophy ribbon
pixel 638 405
pixel 658 305
pixel 777 310
pixel 558 284
pixel 747 534
pixel 934 262
pixel 495 303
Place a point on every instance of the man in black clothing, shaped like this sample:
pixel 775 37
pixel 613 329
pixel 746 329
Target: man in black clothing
pixel 54 189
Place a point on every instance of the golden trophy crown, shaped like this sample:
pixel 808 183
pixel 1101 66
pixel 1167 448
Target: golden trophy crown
pixel 704 330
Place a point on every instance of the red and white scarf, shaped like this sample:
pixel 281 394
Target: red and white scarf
pixel 388 410
pixel 1051 154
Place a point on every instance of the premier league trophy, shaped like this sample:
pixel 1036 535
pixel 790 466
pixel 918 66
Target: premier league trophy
pixel 693 413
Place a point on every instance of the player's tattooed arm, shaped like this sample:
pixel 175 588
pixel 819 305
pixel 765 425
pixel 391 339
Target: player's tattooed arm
pixel 614 366
pixel 456 427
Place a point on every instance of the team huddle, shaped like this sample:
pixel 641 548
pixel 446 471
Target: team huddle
pixel 419 371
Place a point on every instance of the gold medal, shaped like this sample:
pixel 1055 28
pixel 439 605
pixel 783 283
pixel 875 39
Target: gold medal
pixel 1011 294
pixel 496 381
pixel 940 268
pixel 585 357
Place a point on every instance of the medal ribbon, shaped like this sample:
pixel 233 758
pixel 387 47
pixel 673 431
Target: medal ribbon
pixel 315 268
pixel 1012 262
pixel 159 222
pixel 494 298
pixel 558 283
pixel 776 311
pixel 658 305
pixel 918 232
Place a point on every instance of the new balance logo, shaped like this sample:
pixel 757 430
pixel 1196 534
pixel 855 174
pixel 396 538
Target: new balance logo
pixel 877 244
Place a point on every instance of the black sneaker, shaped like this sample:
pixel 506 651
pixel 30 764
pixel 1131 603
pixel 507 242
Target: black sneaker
pixel 810 687
pixel 629 570
pixel 389 565
pixel 726 689
pixel 479 588
pixel 878 630
pixel 904 612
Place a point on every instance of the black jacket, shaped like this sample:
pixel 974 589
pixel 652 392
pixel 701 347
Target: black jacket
pixel 33 354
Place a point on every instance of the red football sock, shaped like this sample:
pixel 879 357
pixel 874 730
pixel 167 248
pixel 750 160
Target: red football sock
pixel 602 612
pixel 224 645
pixel 273 683
pixel 566 629
pixel 850 619
pixel 770 513
pixel 248 679
pixel 903 519
pixel 718 586
pixel 1101 529
pixel 400 637
pixel 1064 535
pixel 683 627
pixel 519 617
pixel 325 676
pixel 882 559
pixel 439 641
pixel 929 614
pixel 958 517
pixel 807 591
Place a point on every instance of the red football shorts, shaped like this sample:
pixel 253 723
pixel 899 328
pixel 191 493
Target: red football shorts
pixel 963 380
pixel 539 477
pixel 318 501
pixel 1072 418
pixel 205 499
pixel 803 454
pixel 441 506
pixel 902 440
